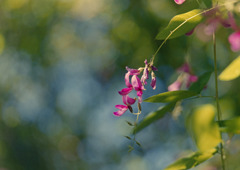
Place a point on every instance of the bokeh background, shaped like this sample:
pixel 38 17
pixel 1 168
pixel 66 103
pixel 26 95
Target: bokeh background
pixel 62 63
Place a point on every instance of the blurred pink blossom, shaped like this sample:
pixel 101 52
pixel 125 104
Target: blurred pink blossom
pixel 185 77
pixel 234 38
pixel 179 2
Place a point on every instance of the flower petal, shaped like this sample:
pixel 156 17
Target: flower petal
pixel 179 2
pixel 191 79
pixel 125 91
pixel 154 68
pixel 122 109
pixel 119 112
pixel 175 86
pixel 121 106
pixel 145 75
pixel 234 40
pixel 133 71
pixel 136 83
pixel 127 82
pixel 153 83
pixel 184 68
pixel 128 100
pixel 139 99
pixel 140 93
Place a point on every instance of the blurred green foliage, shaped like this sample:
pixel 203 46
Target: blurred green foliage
pixel 61 63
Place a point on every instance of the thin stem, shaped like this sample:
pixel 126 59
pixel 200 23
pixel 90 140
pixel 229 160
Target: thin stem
pixel 217 98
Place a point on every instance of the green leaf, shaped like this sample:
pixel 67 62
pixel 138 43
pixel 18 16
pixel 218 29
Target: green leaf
pixel 203 128
pixel 232 71
pixel 208 3
pixel 187 6
pixel 171 96
pixel 192 161
pixel 230 126
pixel 181 24
pixel 152 117
pixel 201 83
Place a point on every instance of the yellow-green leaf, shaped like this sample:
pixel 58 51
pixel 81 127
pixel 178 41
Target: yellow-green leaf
pixel 203 128
pixel 192 161
pixel 181 24
pixel 232 71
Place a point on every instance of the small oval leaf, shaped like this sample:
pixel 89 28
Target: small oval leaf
pixel 232 71
pixel 181 24
pixel 171 96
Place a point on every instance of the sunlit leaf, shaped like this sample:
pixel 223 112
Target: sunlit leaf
pixel 192 161
pixel 203 128
pixel 171 96
pixel 181 24
pixel 232 71
pixel 152 117
pixel 230 126
pixel 201 83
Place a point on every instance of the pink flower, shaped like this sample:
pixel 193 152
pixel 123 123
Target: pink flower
pixel 122 109
pixel 133 71
pixel 139 94
pixel 125 91
pixel 136 84
pixel 234 40
pixel 127 82
pixel 179 2
pixel 191 79
pixel 153 82
pixel 185 77
pixel 128 100
pixel 184 68
pixel 175 86
pixel 145 73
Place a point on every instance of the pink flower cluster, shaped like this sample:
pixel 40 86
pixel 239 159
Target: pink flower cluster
pixel 136 84
pixel 185 78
